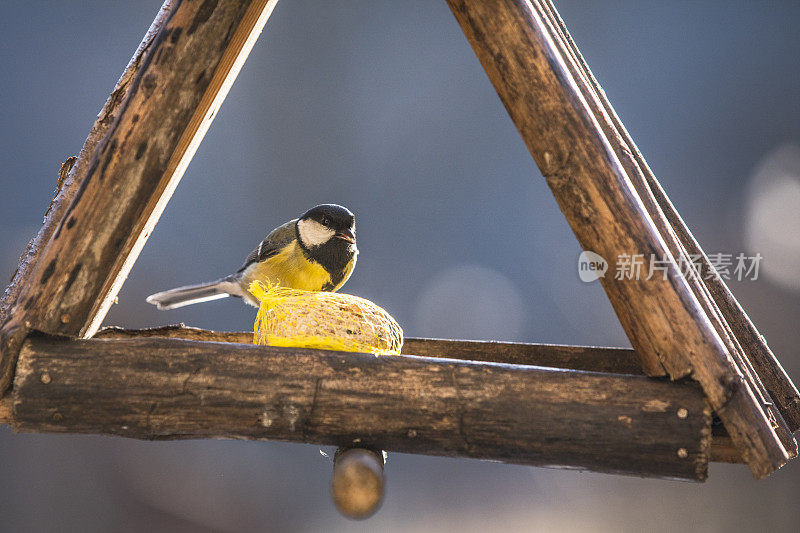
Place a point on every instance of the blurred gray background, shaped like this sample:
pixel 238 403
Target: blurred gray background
pixel 383 107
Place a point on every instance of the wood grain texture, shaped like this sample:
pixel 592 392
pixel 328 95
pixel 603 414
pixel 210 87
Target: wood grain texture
pixel 586 358
pixel 711 292
pixel 161 388
pixel 175 331
pixel 780 387
pixel 131 163
pixel 663 318
pixel 5 411
pixel 778 384
pixel 11 334
pixel 722 448
pixel 589 358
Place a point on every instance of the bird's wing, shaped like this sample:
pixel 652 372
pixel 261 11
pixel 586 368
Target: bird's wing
pixel 272 244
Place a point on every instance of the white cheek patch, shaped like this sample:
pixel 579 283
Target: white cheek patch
pixel 313 233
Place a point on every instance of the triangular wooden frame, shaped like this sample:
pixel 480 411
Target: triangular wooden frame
pixel 168 95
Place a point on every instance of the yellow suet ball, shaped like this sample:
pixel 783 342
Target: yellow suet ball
pixel 323 320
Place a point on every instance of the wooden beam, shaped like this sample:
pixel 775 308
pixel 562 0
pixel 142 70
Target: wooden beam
pixel 586 358
pixel 161 388
pixel 175 331
pixel 131 163
pixel 769 370
pixel 589 358
pixel 663 318
pixel 728 319
pixel 722 448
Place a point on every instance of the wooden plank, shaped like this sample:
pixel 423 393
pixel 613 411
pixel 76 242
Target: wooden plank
pixel 161 388
pixel 586 358
pixel 722 448
pixel 663 318
pixel 176 331
pixel 767 366
pixel 589 358
pixel 131 163
pixel 712 294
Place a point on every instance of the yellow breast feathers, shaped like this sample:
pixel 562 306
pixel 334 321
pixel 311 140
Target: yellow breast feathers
pixel 290 268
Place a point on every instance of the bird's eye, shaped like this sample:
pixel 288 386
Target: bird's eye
pixel 325 221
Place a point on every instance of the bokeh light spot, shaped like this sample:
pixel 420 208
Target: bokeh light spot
pixel 470 302
pixel 772 220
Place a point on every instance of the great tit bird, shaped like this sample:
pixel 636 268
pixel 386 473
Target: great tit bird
pixel 316 252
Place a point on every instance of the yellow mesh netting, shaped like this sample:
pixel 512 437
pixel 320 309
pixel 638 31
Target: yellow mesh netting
pixel 323 320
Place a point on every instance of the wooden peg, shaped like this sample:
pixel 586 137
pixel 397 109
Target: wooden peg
pixel 358 482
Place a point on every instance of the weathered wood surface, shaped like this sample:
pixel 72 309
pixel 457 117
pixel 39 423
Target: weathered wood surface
pixel 711 292
pixel 175 331
pixel 722 447
pixel 590 358
pixel 5 411
pixel 161 388
pixel 586 358
pixel 780 387
pixel 596 359
pixel 358 481
pixel 131 163
pixel 766 365
pixel 663 318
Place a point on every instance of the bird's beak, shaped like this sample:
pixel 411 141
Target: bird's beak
pixel 346 235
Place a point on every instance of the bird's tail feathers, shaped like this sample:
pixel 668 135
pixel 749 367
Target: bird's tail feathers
pixel 193 294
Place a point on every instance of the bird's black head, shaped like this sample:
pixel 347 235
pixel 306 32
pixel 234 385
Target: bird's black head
pixel 327 233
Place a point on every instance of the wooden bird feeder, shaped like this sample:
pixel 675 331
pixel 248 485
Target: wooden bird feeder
pixel 646 411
